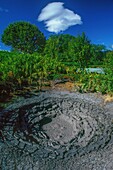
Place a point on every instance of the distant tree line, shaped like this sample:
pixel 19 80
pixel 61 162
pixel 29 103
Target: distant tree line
pixel 24 37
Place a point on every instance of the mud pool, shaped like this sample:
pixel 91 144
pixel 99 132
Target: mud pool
pixel 55 130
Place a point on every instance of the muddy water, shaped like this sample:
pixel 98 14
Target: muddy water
pixel 52 127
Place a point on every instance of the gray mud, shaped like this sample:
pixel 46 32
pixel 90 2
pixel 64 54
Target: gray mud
pixel 57 130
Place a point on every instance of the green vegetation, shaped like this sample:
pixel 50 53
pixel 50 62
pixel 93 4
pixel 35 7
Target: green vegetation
pixel 23 37
pixel 25 68
pixel 33 62
pixel 100 82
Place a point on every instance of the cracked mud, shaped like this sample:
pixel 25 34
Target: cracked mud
pixel 39 132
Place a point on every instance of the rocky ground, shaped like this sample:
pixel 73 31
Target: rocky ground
pixel 58 130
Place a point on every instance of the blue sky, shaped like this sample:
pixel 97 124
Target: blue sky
pixel 94 17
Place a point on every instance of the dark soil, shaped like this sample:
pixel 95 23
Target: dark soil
pixel 57 130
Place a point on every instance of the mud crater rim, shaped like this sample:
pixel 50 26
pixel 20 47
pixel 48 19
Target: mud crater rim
pixel 66 125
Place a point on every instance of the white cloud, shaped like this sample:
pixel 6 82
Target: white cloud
pixel 57 18
pixel 112 46
pixel 3 10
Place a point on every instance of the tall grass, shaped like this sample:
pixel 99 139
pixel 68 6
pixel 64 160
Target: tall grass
pixel 25 69
pixel 20 70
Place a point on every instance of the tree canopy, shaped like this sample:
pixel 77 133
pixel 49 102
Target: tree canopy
pixel 57 46
pixel 78 50
pixel 24 37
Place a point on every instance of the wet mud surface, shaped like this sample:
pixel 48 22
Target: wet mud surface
pixel 57 130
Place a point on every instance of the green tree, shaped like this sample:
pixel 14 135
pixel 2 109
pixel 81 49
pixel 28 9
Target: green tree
pixel 57 46
pixel 98 53
pixel 24 37
pixel 80 50
pixel 108 61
